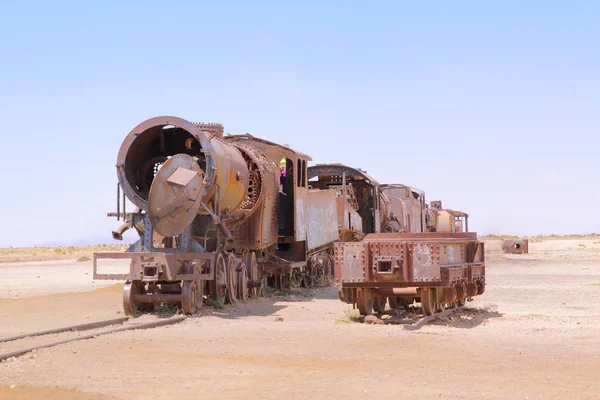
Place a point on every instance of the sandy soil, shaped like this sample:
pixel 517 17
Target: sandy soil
pixel 25 254
pixel 534 334
pixel 47 277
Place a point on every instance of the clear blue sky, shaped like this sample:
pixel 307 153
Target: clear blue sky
pixel 492 107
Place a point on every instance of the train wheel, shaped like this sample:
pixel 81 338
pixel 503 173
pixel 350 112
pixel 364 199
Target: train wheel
pixel 472 289
pixel 191 296
pixel 379 304
pixel 219 284
pixel 449 293
pixel 364 301
pixel 252 272
pixel 242 281
pixel 480 287
pixel 231 292
pixel 461 291
pixel 192 292
pixel 440 307
pixel 427 301
pixel 130 289
pixel 440 302
pixel 394 303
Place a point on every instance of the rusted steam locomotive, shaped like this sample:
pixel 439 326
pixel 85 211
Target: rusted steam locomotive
pixel 223 217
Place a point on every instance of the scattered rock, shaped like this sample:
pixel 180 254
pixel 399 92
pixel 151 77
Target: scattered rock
pixel 279 319
pixel 371 319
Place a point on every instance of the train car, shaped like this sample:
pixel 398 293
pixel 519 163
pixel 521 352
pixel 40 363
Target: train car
pixel 408 208
pixel 217 216
pixel 448 220
pixel 362 206
pixel 427 255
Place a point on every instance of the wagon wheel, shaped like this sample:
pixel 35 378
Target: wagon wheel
pixel 364 301
pixel 379 304
pixel 219 284
pixel 192 291
pixel 242 281
pixel 427 301
pixel 231 292
pixel 252 271
pixel 130 289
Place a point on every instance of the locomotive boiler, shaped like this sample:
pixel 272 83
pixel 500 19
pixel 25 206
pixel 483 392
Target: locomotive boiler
pixel 218 217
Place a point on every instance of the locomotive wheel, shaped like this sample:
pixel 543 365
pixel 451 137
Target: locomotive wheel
pixel 379 304
pixel 252 271
pixel 427 301
pixel 231 292
pixel 394 303
pixel 242 281
pixel 219 284
pixel 364 302
pixel 192 292
pixel 130 289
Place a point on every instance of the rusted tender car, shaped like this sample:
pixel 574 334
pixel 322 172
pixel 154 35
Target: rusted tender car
pixel 439 267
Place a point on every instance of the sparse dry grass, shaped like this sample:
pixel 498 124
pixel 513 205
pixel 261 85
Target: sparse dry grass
pixel 350 315
pixel 79 253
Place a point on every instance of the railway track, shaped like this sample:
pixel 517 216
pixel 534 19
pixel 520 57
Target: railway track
pixel 30 341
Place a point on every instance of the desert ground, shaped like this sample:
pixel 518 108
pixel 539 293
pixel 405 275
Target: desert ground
pixel 534 334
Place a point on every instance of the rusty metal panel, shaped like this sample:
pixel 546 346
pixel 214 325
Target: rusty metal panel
pixel 452 254
pixel 515 246
pixel 351 220
pixel 349 262
pixel 405 259
pixel 300 215
pixel 425 262
pixel 321 221
pixel 388 261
